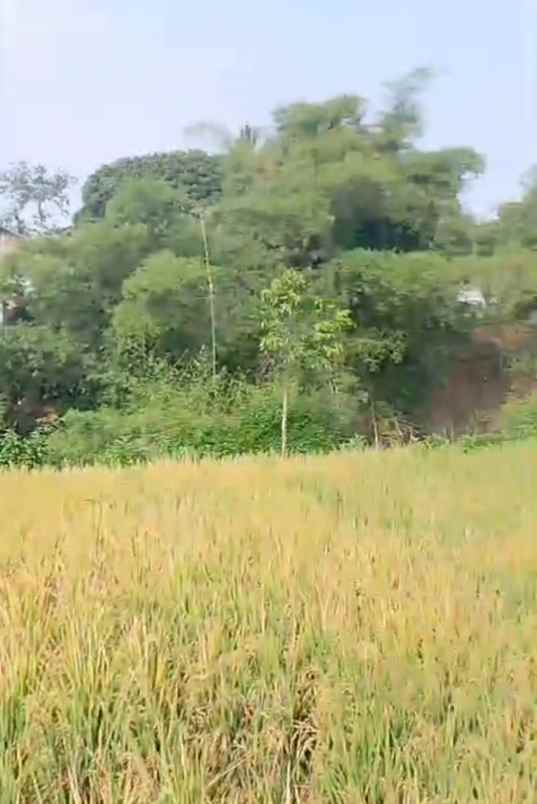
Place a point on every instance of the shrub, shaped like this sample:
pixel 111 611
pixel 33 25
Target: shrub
pixel 17 450
pixel 519 418
pixel 474 442
pixel 177 422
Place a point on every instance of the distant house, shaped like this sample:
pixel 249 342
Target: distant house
pixel 472 296
pixel 9 241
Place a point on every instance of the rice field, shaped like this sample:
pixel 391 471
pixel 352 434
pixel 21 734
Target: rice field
pixel 353 628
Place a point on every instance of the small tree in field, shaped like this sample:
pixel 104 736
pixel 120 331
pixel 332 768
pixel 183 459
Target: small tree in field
pixel 300 331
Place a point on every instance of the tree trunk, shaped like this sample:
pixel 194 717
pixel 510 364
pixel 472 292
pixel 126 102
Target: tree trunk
pixel 285 407
pixel 210 283
pixel 375 426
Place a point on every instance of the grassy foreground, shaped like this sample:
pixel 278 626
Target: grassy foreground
pixel 342 629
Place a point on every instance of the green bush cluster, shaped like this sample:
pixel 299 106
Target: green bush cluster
pixel 519 418
pixel 178 429
pixel 19 451
pixel 329 250
pixel 167 412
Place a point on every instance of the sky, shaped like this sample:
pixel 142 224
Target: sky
pixel 83 82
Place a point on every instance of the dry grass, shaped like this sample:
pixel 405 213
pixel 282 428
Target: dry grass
pixel 345 629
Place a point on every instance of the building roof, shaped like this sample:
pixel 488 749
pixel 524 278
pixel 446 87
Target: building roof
pixel 472 296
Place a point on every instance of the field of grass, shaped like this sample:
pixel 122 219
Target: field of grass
pixel 354 628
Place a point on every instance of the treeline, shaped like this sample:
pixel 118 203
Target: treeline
pixel 319 271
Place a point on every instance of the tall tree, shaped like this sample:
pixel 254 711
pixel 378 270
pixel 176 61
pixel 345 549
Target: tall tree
pixel 33 199
pixel 74 282
pixel 196 174
pixel 40 367
pixel 517 220
pixel 328 181
pixel 164 306
pixel 402 120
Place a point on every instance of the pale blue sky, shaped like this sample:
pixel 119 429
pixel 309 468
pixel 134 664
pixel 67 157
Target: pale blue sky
pixel 88 81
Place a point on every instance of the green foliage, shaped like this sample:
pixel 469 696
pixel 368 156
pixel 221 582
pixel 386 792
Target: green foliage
pixel 164 305
pixel 409 321
pixel 519 418
pixel 187 416
pixel 517 220
pixel 478 441
pixel 486 237
pixel 194 173
pixel 74 283
pixel 299 121
pixel 443 172
pixel 401 121
pixel 454 235
pixel 300 332
pixel 19 452
pixel 104 322
pixel 151 202
pixel 508 281
pixel 40 366
pixel 328 181
pixel 299 329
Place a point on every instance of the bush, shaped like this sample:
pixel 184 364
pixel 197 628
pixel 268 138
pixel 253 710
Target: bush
pixel 84 437
pixel 199 422
pixel 19 451
pixel 519 418
pixel 472 443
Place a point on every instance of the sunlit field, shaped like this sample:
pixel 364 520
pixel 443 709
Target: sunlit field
pixel 357 628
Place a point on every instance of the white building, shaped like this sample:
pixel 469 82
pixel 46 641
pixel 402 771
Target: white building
pixel 472 296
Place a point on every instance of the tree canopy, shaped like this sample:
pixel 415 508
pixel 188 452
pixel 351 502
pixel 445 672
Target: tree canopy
pixel 178 253
pixel 196 174
pixel 33 199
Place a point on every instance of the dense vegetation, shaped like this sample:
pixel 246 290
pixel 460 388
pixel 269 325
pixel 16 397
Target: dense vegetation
pixel 351 628
pixel 195 175
pixel 346 628
pixel 312 274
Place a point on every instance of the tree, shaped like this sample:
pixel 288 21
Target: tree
pixel 410 321
pixel 195 174
pixel 299 331
pixel 299 121
pixel 74 283
pixel 517 220
pixel 34 200
pixel 40 368
pixel 326 181
pixel 163 306
pixel 402 122
pixel 239 151
pixel 167 246
pixel 151 202
pixel 165 311
pixel 486 236
pixel 161 209
pixel 455 233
